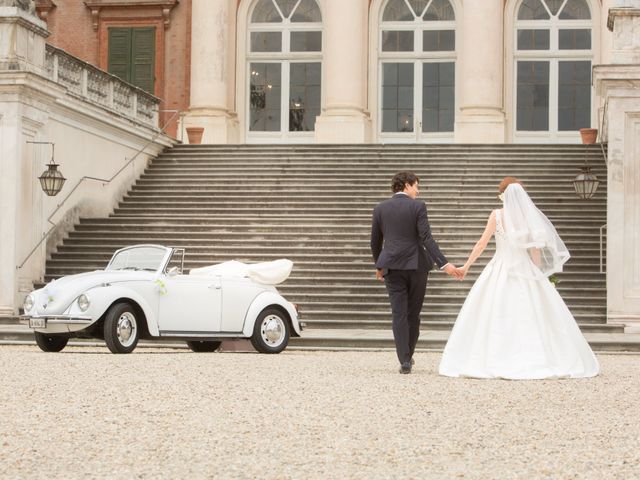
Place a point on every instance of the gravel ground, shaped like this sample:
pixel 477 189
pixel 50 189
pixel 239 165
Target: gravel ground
pixel 85 413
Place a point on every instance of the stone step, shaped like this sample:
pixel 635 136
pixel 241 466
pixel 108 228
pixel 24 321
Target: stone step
pixel 375 288
pixel 429 171
pixel 337 339
pixel 425 326
pixel 305 211
pixel 64 266
pixel 143 235
pixel 443 303
pixel 435 340
pixel 306 204
pixel 430 313
pixel 294 203
pixel 361 223
pixel 451 247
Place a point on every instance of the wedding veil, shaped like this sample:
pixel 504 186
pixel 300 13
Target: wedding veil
pixel 528 228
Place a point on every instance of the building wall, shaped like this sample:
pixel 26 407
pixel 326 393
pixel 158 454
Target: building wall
pixel 226 23
pixel 77 29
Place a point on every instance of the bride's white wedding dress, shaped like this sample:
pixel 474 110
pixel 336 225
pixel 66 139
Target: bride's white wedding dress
pixel 515 325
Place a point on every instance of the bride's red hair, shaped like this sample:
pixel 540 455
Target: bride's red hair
pixel 506 181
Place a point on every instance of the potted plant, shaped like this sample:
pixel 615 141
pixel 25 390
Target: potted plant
pixel 589 135
pixel 195 134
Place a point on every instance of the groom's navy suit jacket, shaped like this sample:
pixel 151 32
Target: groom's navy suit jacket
pixel 401 237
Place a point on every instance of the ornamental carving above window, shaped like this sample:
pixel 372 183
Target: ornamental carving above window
pixel 97 6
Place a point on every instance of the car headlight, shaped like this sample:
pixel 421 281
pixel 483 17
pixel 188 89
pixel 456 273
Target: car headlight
pixel 83 302
pixel 28 303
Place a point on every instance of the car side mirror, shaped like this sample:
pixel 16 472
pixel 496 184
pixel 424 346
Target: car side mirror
pixel 173 271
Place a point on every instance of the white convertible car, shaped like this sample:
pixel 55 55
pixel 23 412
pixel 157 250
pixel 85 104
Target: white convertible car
pixel 144 294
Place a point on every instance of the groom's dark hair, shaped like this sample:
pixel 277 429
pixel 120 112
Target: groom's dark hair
pixel 401 179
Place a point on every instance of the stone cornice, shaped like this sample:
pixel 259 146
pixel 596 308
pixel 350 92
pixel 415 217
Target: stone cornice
pixel 621 12
pixel 43 7
pixel 164 6
pixel 30 22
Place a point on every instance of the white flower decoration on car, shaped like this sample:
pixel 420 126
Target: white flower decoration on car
pixel 161 287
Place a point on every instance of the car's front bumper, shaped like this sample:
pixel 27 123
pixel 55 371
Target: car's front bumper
pixel 56 323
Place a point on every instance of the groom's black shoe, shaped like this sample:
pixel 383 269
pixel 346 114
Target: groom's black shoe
pixel 413 362
pixel 405 368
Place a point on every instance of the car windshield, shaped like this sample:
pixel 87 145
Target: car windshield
pixel 139 258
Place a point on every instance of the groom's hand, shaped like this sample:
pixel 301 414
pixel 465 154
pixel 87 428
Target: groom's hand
pixel 451 270
pixel 379 275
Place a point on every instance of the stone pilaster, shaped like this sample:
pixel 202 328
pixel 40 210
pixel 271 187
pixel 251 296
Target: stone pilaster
pixel 22 38
pixel 22 52
pixel 344 117
pixel 480 73
pixel 618 86
pixel 212 71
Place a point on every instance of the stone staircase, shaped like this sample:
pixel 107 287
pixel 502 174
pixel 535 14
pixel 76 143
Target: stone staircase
pixel 313 204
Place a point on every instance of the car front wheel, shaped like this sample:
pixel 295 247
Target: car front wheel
pixel 271 331
pixel 50 343
pixel 203 346
pixel 121 328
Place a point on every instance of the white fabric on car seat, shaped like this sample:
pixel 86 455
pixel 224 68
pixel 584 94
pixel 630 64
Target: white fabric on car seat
pixel 267 273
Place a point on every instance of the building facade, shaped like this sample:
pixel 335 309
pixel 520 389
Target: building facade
pixel 354 71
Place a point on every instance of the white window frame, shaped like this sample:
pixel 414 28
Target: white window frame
pixel 417 57
pixel 553 55
pixel 285 58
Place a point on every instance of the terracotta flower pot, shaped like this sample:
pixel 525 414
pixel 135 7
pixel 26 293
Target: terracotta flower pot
pixel 195 134
pixel 589 135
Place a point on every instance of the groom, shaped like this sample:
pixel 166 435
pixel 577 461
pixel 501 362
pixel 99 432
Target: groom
pixel 404 252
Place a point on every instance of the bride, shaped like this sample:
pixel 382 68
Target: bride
pixel 514 324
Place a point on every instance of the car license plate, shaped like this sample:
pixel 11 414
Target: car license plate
pixel 37 322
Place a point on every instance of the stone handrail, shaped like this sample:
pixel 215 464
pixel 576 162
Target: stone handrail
pixel 98 87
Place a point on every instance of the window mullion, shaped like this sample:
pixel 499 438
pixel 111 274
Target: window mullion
pixel 554 83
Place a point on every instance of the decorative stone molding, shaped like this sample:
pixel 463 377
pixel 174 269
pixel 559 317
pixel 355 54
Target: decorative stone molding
pixel 26 5
pixel 164 8
pixel 43 7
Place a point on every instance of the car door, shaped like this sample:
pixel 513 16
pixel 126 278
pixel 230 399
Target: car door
pixel 190 304
pixel 237 297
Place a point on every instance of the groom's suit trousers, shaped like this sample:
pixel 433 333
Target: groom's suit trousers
pixel 406 289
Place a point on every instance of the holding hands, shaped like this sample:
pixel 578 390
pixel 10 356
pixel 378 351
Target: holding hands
pixel 451 270
pixel 462 271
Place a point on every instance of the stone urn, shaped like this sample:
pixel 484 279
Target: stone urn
pixel 589 135
pixel 195 134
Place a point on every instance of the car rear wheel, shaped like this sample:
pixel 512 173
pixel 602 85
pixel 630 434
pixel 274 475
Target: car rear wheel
pixel 203 346
pixel 121 328
pixel 271 331
pixel 50 343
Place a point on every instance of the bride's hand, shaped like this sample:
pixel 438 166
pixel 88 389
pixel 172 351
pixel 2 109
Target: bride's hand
pixel 463 272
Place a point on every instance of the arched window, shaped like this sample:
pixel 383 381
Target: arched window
pixel 284 63
pixel 417 65
pixel 553 66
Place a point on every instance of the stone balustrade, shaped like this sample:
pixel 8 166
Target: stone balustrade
pixel 100 88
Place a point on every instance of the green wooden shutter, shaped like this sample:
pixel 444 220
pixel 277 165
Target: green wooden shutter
pixel 120 53
pixel 143 58
pixel 132 55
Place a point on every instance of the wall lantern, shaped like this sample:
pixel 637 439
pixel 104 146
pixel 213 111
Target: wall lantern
pixel 51 179
pixel 586 183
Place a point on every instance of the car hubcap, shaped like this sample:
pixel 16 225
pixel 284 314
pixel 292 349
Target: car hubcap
pixel 126 329
pixel 273 330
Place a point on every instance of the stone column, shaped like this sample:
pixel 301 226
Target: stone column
pixel 480 73
pixel 344 117
pixel 618 86
pixel 22 50
pixel 213 70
